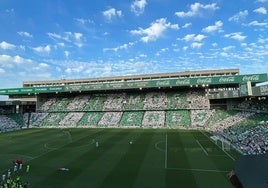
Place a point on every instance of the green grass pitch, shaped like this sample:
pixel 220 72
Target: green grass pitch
pixel 156 158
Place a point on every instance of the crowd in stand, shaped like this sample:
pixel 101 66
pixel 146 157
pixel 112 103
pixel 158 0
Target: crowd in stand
pixel 131 119
pixel 127 101
pixel 199 118
pixel 114 102
pixel 155 101
pixel 154 119
pixel 47 104
pixel 249 140
pixel 110 119
pixel 197 100
pixel 7 123
pixel 71 119
pixel 134 102
pixel 78 103
pixel 219 127
pixel 257 105
pixel 35 119
pixel 178 119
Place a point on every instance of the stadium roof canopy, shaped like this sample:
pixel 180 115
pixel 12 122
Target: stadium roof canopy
pixel 184 74
pixel 205 79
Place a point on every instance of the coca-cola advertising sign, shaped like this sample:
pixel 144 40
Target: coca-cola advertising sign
pixel 185 81
pixel 228 79
pixel 251 78
pixel 204 80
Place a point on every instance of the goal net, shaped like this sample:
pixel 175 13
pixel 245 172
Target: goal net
pixel 222 143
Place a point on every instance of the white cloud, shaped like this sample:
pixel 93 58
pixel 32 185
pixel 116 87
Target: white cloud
pixel 227 48
pixel 122 47
pixel 77 69
pixel 9 61
pixel 61 44
pixel 256 23
pixel 262 41
pixel 142 55
pixel 197 9
pixel 212 28
pixel 224 54
pixel 243 44
pixel 138 6
pixel 186 25
pixel 260 10
pixel 41 66
pixel 237 36
pixel 19 60
pixel 112 13
pixel 2 71
pixel 7 46
pixel 67 54
pixel 25 34
pixel 84 21
pixel 185 48
pixel 68 70
pixel 75 38
pixel 78 38
pixel 196 45
pixel 42 49
pixel 261 1
pixel 155 31
pixel 55 36
pixel 163 50
pixel 239 16
pixel 6 61
pixel 214 44
pixel 193 37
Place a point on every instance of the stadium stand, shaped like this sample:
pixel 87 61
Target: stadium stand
pixel 207 100
pixel 151 108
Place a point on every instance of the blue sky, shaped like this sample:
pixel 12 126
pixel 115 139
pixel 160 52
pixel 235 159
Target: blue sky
pixel 54 39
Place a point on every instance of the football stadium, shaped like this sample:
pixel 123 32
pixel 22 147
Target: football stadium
pixel 203 128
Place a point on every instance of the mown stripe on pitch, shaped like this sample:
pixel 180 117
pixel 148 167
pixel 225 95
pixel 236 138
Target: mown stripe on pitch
pixel 177 157
pixel 54 159
pixel 81 161
pixel 126 171
pixel 99 170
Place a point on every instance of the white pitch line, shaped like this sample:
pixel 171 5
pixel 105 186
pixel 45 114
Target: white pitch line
pixel 199 170
pixel 202 148
pixel 219 147
pixel 166 153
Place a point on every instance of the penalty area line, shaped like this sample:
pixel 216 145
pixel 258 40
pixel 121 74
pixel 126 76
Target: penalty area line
pixel 202 148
